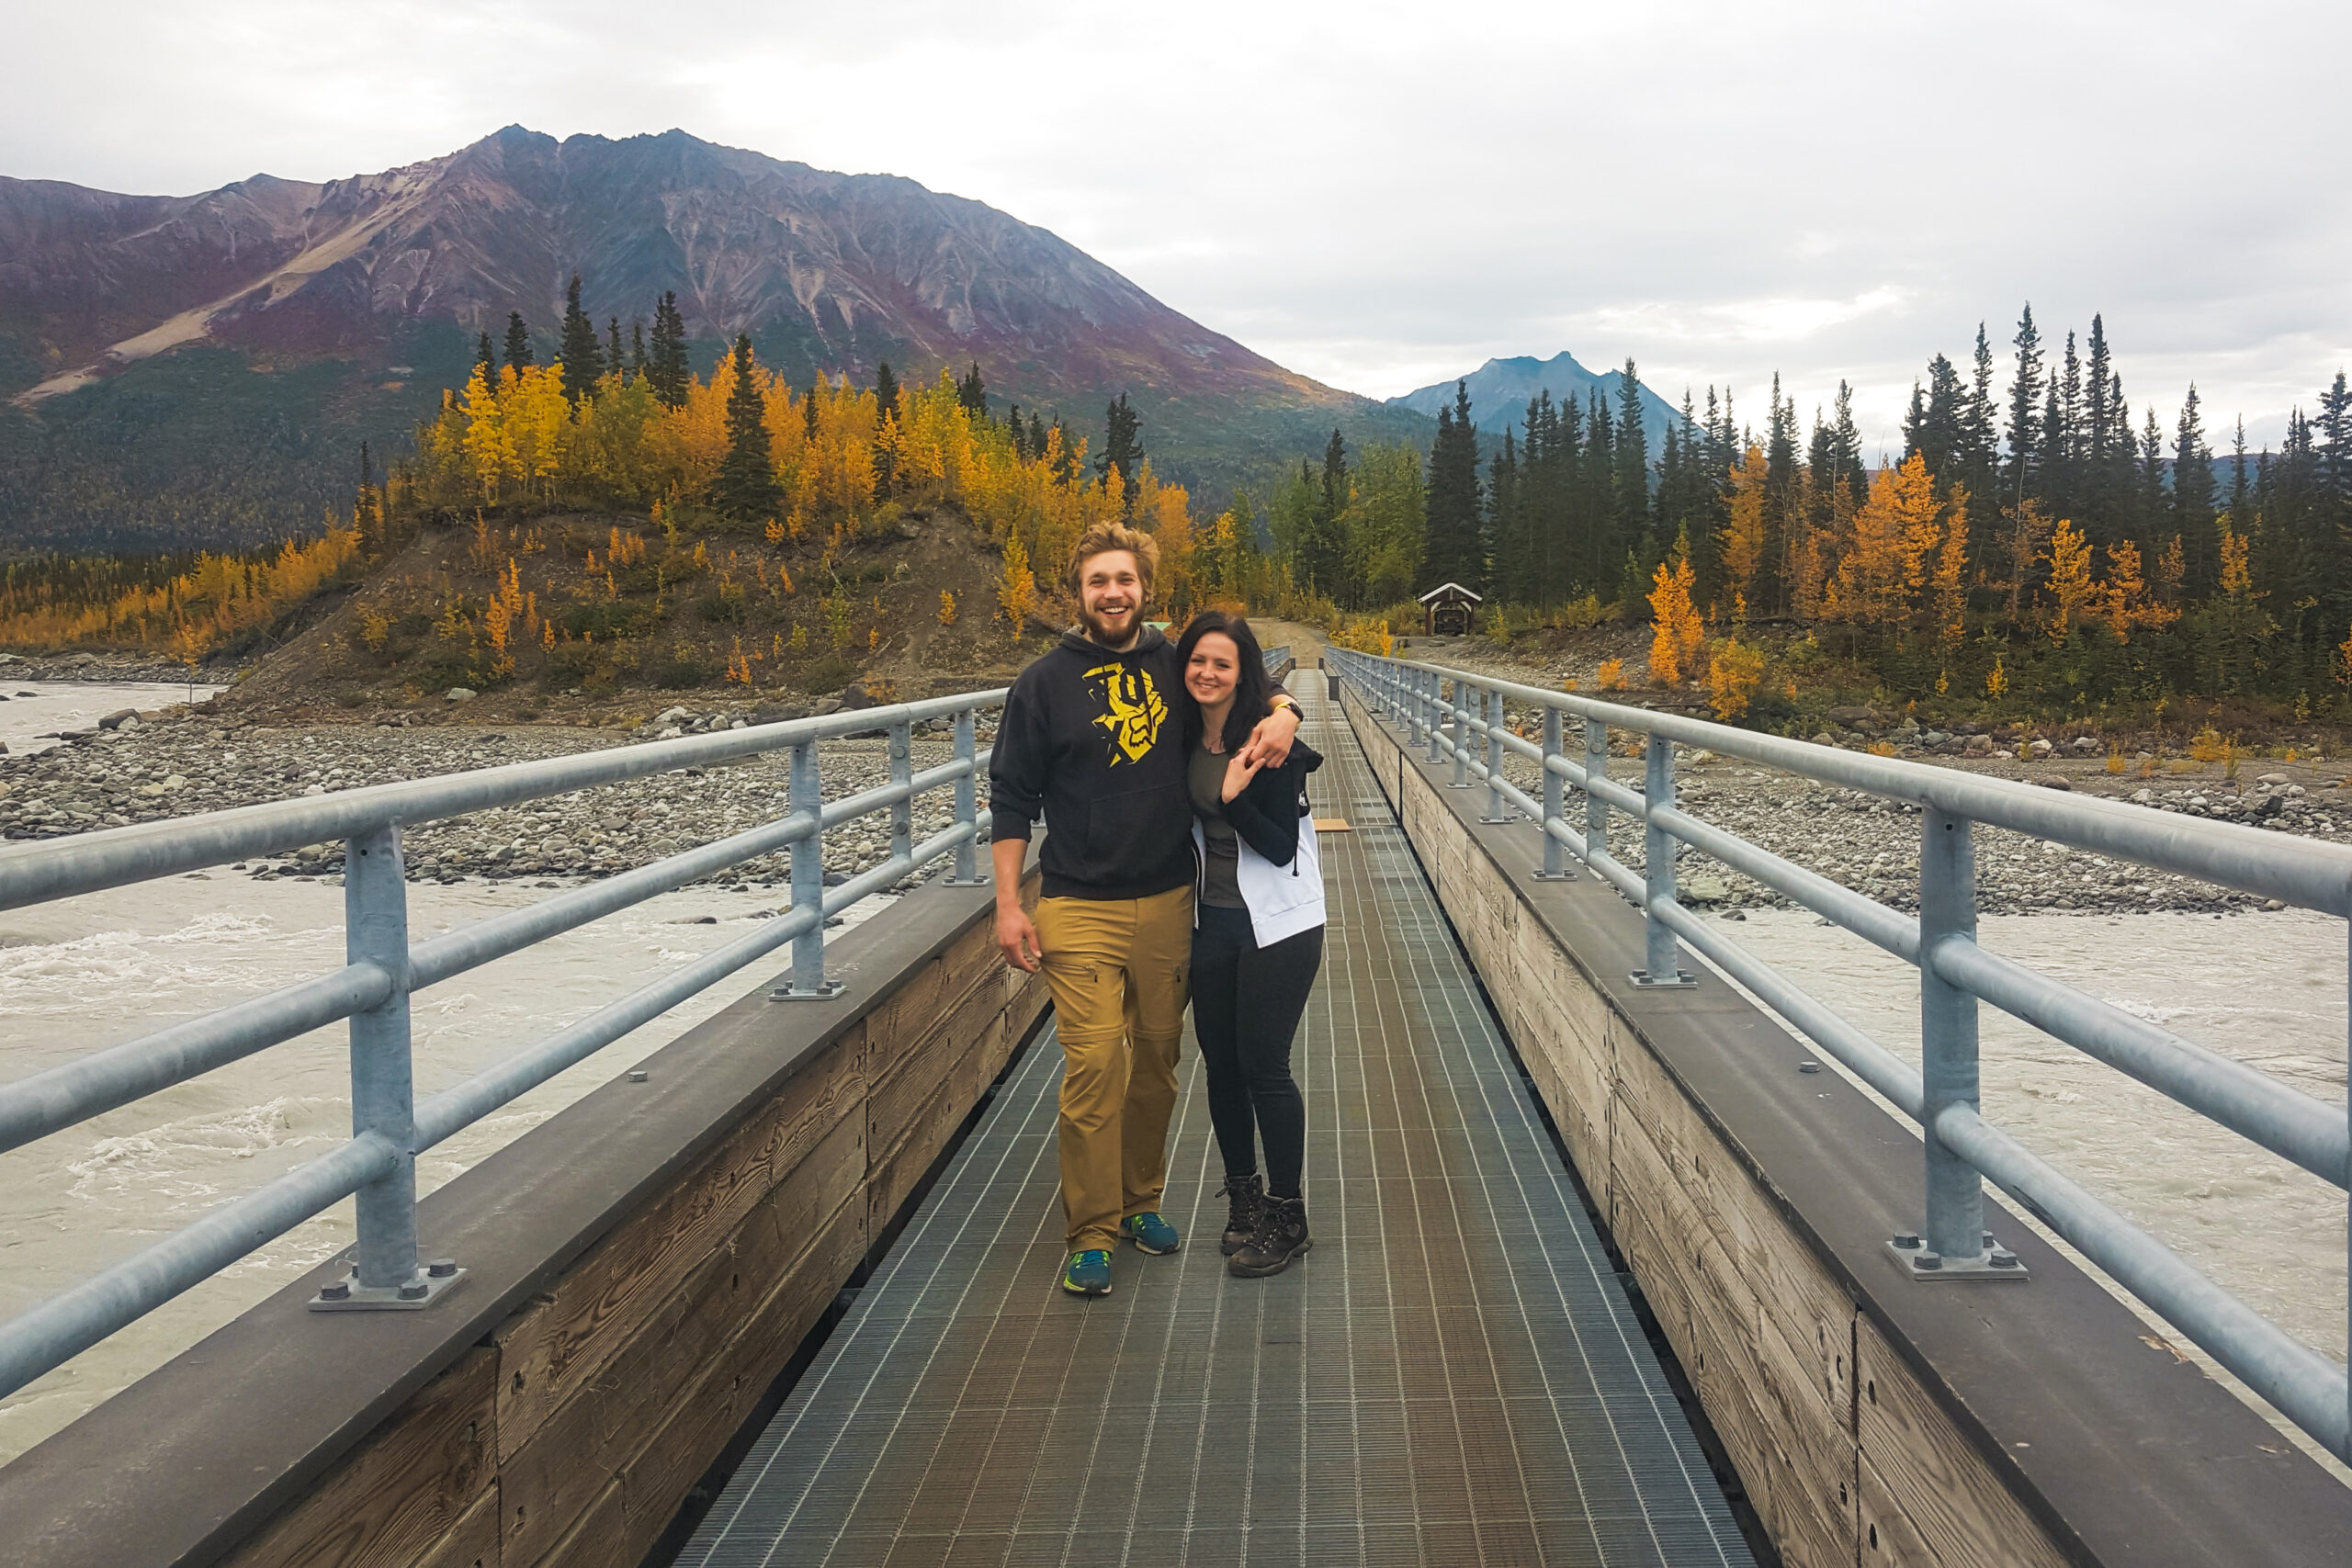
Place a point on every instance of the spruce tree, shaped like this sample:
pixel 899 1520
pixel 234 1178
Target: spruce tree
pixel 666 366
pixel 486 356
pixel 581 356
pixel 1454 549
pixel 2025 409
pixel 747 485
pixel 518 343
pixel 2192 479
pixel 1037 431
pixel 614 361
pixel 1020 437
pixel 972 393
pixel 1121 444
pixel 636 350
pixel 885 391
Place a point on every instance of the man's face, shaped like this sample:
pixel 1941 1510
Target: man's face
pixel 1110 597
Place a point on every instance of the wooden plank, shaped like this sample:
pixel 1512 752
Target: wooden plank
pixel 1934 1475
pixel 1885 1538
pixel 596 1309
pixel 1813 1485
pixel 593 1539
pixel 404 1492
pixel 707 1413
pixel 603 1427
pixel 474 1543
pixel 1815 1315
pixel 1810 1529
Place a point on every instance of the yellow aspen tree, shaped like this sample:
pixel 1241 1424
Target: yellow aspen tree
pixel 1743 534
pixel 2073 590
pixel 1016 593
pixel 947 608
pixel 1676 631
pixel 1947 585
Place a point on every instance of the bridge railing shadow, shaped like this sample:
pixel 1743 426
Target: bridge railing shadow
pixel 1462 718
pixel 384 968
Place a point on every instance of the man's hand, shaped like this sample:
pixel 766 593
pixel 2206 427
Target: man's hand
pixel 1016 937
pixel 1269 744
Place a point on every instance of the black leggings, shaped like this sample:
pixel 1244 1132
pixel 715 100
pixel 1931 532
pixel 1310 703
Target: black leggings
pixel 1247 1001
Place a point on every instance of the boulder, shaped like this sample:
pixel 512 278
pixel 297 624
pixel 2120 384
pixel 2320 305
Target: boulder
pixel 1851 718
pixel 2040 750
pixel 855 696
pixel 2086 744
pixel 2060 781
pixel 459 695
pixel 120 718
pixel 2266 778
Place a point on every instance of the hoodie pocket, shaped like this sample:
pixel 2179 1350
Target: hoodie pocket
pixel 1135 829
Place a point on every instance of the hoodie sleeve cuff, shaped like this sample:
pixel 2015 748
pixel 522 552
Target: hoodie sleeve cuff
pixel 1008 824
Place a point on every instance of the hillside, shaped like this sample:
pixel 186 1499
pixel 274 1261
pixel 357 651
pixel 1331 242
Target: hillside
pixel 583 615
pixel 1499 391
pixel 202 370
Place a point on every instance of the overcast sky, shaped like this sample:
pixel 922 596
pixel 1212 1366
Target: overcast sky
pixel 1385 196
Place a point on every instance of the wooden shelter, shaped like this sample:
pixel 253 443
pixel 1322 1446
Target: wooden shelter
pixel 1447 610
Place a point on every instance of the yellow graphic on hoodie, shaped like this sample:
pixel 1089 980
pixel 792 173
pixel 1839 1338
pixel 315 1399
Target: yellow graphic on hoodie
pixel 1132 709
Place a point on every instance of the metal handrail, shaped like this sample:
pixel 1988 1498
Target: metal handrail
pixel 390 1126
pixel 1962 1147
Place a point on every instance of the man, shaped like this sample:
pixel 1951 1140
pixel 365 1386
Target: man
pixel 1088 737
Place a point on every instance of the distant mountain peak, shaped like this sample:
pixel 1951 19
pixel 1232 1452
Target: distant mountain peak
pixel 1499 391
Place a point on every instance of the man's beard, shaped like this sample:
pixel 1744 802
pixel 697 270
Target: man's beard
pixel 1100 631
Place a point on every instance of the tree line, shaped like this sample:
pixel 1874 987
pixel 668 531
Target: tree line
pixel 2034 523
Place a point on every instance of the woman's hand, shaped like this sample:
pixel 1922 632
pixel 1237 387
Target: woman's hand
pixel 1238 772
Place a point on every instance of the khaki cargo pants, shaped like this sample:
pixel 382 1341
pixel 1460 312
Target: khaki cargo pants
pixel 1118 969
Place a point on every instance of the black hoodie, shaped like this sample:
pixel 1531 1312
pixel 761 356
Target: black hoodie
pixel 1091 738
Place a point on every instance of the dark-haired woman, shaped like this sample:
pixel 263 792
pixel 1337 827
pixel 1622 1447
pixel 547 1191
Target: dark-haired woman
pixel 1256 939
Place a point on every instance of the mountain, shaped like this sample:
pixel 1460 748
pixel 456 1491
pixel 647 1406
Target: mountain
pixel 1499 391
pixel 202 370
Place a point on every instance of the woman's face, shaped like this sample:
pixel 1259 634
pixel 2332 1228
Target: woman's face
pixel 1211 671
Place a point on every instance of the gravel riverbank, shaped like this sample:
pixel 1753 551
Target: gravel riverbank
pixel 1873 845
pixel 176 764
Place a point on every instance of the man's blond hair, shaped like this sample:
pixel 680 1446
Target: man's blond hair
pixel 1104 538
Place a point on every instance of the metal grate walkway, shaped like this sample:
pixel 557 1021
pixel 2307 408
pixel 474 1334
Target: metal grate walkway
pixel 1452 1376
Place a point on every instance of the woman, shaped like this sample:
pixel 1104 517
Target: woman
pixel 1256 939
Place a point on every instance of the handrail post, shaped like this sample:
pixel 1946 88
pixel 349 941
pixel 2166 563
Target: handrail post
pixel 383 1088
pixel 902 773
pixel 1433 721
pixel 1596 810
pixel 1555 865
pixel 1495 810
pixel 807 981
pixel 1461 738
pixel 1955 1241
pixel 1662 955
pixel 967 868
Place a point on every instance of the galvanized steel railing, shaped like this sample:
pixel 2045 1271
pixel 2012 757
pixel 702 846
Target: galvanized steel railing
pixel 390 1127
pixel 1955 974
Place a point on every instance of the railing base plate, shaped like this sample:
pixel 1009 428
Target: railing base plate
pixel 1681 980
pixel 1996 1262
pixel 386 1298
pixel 963 882
pixel 1542 875
pixel 824 993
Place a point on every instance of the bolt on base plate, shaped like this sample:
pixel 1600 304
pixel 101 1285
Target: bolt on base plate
pixel 1995 1262
pixel 824 993
pixel 1684 980
pixel 427 1285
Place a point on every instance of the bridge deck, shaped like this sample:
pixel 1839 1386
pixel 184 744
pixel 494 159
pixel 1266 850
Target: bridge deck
pixel 1452 1376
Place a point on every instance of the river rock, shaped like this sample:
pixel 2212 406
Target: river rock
pixel 459 694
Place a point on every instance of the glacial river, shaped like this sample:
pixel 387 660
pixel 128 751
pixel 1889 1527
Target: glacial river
pixel 85 973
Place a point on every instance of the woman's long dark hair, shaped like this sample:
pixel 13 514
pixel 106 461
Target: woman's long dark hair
pixel 1250 687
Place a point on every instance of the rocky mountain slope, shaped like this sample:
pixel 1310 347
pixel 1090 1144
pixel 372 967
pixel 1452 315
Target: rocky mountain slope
pixel 325 314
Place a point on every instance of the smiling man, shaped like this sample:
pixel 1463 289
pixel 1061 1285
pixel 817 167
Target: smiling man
pixel 1088 740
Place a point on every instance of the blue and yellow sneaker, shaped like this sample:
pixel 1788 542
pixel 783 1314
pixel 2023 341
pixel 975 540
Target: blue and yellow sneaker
pixel 1088 1273
pixel 1151 1234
